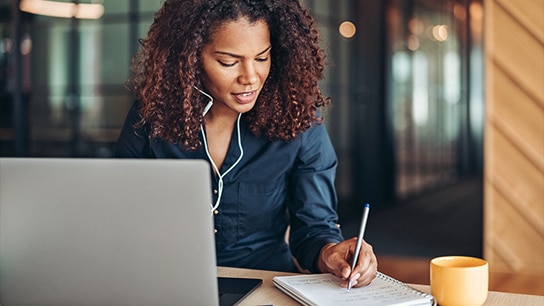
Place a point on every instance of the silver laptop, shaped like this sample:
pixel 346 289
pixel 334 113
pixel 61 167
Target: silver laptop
pixel 106 232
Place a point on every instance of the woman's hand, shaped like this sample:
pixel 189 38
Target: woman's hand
pixel 336 258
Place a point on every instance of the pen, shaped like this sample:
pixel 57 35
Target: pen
pixel 366 209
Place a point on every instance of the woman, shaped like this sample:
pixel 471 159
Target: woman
pixel 236 83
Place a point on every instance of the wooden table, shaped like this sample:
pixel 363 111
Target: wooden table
pixel 267 294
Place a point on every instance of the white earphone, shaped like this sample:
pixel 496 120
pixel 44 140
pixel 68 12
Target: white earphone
pixel 209 105
pixel 219 174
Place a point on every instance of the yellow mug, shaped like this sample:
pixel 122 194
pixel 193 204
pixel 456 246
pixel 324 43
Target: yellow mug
pixel 459 280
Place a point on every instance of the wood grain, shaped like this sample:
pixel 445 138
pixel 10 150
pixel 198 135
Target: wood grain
pixel 514 144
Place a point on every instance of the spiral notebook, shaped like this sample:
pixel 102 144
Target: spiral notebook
pixel 324 290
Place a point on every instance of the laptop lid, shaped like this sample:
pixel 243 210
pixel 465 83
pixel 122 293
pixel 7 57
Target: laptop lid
pixel 106 232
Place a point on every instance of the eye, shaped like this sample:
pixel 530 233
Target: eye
pixel 224 64
pixel 262 59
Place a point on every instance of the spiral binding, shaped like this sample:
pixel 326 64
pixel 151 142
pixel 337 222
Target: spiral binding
pixel 405 286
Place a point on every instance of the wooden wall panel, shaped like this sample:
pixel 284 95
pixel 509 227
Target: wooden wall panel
pixel 519 117
pixel 527 13
pixel 514 136
pixel 518 176
pixel 518 52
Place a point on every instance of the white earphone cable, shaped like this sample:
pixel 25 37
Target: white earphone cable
pixel 221 175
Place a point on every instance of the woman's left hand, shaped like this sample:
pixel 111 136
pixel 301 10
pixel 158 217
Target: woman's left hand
pixel 336 258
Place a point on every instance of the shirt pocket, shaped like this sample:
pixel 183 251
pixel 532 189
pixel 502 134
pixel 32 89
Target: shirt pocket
pixel 261 207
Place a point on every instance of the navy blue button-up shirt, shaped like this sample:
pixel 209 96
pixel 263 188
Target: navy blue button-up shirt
pixel 275 184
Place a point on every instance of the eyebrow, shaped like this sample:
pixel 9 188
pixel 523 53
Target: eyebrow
pixel 239 56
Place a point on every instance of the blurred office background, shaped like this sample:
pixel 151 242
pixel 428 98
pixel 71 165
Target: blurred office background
pixel 406 78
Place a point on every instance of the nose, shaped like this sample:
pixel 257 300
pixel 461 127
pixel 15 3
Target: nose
pixel 248 74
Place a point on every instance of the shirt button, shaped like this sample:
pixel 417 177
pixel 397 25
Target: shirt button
pixel 215 191
pixel 216 212
pixel 215 231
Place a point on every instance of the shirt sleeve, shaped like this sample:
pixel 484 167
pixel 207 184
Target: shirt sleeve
pixel 132 142
pixel 313 199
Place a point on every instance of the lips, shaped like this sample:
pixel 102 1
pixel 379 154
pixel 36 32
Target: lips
pixel 245 97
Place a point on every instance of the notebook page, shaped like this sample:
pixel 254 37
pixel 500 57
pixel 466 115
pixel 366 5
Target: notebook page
pixel 324 289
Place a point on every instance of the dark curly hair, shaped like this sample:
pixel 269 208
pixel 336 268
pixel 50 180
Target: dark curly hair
pixel 168 66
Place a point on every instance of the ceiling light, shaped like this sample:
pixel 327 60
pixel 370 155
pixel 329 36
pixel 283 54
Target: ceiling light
pixel 62 9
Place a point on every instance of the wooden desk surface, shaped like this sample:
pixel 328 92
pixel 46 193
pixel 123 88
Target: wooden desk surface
pixel 267 294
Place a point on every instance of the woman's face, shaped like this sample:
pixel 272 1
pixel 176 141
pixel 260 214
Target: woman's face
pixel 236 64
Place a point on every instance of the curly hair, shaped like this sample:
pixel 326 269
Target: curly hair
pixel 168 66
